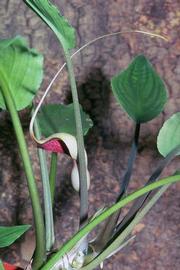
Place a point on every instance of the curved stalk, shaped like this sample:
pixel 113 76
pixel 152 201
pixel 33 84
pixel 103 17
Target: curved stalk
pixel 92 224
pixel 39 254
pixel 91 42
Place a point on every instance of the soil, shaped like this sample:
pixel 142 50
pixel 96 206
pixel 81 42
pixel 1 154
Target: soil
pixel 157 244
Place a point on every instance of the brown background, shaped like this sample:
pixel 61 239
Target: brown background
pixel 157 246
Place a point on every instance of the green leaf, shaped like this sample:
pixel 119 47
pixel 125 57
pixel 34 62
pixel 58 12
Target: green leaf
pixel 58 118
pixel 169 135
pixel 22 68
pixel 53 18
pixel 9 235
pixel 140 90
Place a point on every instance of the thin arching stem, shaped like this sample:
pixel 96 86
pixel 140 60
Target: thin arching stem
pixel 91 42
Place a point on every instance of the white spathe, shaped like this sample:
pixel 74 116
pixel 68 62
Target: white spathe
pixel 70 142
pixel 75 176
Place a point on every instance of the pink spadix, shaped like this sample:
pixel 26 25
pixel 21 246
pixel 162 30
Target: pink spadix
pixel 53 145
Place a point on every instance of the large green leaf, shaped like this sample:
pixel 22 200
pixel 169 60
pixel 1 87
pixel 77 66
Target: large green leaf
pixel 9 235
pixel 169 135
pixel 52 17
pixel 140 90
pixel 22 68
pixel 57 118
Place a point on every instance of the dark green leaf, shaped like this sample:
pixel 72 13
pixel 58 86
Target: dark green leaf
pixel 57 118
pixel 140 90
pixel 23 70
pixel 9 235
pixel 52 17
pixel 169 135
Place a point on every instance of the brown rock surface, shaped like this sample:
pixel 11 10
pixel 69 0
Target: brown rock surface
pixel 157 245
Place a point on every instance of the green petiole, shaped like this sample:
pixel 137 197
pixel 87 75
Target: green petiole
pixel 1 265
pixel 49 222
pixel 52 175
pixel 80 143
pixel 40 253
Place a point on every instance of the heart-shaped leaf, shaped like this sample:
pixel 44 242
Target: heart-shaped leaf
pixel 22 68
pixel 9 235
pixel 52 17
pixel 140 90
pixel 58 118
pixel 169 135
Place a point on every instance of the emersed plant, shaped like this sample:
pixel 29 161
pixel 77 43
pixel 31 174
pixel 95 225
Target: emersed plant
pixel 61 129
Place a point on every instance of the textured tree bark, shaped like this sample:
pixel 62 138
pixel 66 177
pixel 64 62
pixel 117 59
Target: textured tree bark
pixel 108 143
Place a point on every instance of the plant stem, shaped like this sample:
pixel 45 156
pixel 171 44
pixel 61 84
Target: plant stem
pixel 52 175
pixel 80 143
pixel 108 228
pixel 49 222
pixel 132 157
pixel 1 265
pixel 101 217
pixel 39 254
